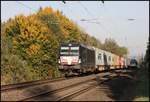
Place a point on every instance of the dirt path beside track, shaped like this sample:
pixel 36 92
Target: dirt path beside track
pixel 120 87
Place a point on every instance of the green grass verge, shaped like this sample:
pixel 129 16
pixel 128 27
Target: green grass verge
pixel 142 88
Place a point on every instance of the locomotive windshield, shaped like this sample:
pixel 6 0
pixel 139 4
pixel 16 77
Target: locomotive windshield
pixel 69 51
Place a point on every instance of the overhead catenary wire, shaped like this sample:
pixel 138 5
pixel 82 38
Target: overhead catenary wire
pixel 33 10
pixel 96 22
pixel 116 24
pixel 26 6
pixel 110 23
pixel 65 4
pixel 89 13
pixel 99 23
pixel 110 20
pixel 68 8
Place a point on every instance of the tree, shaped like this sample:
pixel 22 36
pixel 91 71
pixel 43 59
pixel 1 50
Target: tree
pixel 146 58
pixel 121 51
pixel 34 42
pixel 12 65
pixel 112 46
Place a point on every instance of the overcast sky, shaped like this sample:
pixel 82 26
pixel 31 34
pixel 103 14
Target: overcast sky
pixel 111 19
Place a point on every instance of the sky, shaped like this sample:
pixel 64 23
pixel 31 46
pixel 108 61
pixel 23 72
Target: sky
pixel 108 20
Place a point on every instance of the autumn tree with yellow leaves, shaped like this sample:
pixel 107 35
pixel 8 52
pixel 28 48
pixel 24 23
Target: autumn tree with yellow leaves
pixel 34 42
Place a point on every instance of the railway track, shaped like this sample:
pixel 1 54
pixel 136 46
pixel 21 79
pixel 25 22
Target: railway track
pixel 68 92
pixel 27 84
pixel 80 91
pixel 59 92
pixel 28 91
pixel 58 89
pixel 76 93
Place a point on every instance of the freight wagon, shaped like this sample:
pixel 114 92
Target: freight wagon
pixel 103 60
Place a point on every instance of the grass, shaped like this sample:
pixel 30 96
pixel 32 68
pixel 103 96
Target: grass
pixel 142 88
pixel 142 99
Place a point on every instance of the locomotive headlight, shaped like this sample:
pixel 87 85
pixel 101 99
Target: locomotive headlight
pixel 74 59
pixel 59 61
pixel 79 61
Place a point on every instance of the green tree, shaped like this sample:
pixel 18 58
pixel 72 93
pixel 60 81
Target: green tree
pixel 146 58
pixel 34 42
pixel 112 46
pixel 121 51
pixel 13 68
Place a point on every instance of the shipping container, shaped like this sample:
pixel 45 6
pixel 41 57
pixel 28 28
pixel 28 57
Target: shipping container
pixel 99 59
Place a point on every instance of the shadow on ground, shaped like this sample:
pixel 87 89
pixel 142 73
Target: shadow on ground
pixel 121 87
pixel 47 96
pixel 142 86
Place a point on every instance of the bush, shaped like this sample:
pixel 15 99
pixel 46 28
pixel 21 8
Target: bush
pixel 13 68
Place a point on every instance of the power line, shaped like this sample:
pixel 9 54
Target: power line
pixel 99 23
pixel 88 12
pixel 33 10
pixel 69 9
pixel 25 6
pixel 94 19
pixel 116 24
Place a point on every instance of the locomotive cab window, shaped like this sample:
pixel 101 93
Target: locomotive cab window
pixel 69 51
pixel 64 52
pixel 74 50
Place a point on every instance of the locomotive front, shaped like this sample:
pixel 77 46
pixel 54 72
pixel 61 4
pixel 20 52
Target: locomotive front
pixel 69 61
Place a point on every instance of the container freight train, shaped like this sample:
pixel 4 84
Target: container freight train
pixel 78 59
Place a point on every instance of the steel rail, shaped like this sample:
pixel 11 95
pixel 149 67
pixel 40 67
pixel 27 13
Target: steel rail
pixel 58 90
pixel 9 87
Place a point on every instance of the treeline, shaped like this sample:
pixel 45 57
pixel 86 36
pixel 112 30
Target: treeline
pixel 29 45
pixel 147 58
